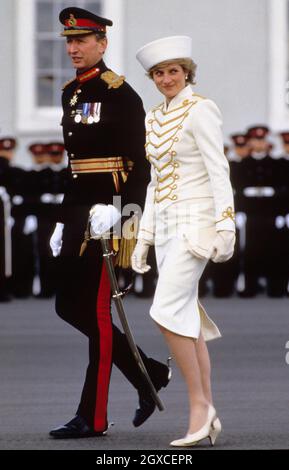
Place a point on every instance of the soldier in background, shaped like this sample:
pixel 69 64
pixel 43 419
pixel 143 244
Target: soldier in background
pixel 52 174
pixel 18 185
pixel 7 148
pixel 281 232
pixel 258 204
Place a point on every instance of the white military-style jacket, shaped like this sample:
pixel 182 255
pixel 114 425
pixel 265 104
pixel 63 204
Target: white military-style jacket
pixel 184 145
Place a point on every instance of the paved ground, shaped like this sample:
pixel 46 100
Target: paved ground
pixel 43 361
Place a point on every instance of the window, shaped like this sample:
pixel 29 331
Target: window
pixel 53 66
pixel 42 64
pixel 278 64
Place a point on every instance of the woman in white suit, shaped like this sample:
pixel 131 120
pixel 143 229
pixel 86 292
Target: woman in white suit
pixel 188 216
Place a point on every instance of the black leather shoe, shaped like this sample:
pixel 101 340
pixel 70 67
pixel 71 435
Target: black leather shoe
pixel 146 403
pixel 75 429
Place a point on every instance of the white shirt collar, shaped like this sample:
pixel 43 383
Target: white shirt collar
pixel 259 155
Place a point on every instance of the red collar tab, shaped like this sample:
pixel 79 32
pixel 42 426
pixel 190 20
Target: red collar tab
pixel 85 76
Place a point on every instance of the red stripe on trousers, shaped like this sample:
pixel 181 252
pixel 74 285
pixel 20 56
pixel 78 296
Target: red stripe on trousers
pixel 105 351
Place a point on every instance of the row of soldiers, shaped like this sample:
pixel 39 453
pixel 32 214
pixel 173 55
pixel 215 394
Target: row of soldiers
pixel 261 186
pixel 29 202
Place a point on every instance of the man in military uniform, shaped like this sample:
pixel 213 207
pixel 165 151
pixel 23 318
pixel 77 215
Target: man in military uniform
pixel 43 210
pixel 103 129
pixel 257 172
pixel 281 233
pixel 7 147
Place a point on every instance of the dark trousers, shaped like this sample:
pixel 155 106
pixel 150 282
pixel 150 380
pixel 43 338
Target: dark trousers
pixel 83 300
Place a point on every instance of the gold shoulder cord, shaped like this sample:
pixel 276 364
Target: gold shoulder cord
pixel 112 79
pixel 123 247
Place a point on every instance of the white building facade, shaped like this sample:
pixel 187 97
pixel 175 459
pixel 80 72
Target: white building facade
pixel 240 46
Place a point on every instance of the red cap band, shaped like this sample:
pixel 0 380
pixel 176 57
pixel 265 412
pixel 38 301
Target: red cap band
pixel 85 23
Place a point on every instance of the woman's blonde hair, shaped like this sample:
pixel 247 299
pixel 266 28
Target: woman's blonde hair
pixel 188 66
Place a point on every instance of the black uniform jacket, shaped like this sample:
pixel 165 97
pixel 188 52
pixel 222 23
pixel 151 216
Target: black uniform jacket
pixel 117 131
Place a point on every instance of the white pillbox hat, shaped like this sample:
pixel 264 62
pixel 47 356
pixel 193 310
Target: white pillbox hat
pixel 172 47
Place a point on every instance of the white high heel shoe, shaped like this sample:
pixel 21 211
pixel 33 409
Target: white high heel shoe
pixel 215 430
pixel 211 429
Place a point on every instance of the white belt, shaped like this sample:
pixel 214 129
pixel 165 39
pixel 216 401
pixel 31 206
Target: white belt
pixel 261 191
pixel 48 198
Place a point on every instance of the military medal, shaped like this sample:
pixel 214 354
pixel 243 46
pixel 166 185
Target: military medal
pixel 85 112
pixel 77 118
pixel 96 112
pixel 73 100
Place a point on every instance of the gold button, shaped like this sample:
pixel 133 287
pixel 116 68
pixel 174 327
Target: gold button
pixel 176 177
pixel 185 102
pixel 174 186
pixel 72 155
pixel 78 91
pixel 176 139
pixel 75 176
pixel 176 165
pixel 175 197
pixel 173 153
pixel 70 134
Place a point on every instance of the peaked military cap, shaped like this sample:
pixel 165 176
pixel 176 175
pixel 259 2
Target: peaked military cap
pixel 240 139
pixel 77 21
pixel 285 137
pixel 37 149
pixel 54 148
pixel 7 143
pixel 257 132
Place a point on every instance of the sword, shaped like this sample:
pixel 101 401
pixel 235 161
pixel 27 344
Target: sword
pixel 117 295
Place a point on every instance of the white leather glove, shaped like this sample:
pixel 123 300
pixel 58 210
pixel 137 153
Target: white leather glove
pixel 139 256
pixel 30 225
pixel 102 218
pixel 56 239
pixel 223 246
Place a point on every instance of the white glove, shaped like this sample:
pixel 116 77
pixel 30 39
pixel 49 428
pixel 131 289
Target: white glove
pixel 139 256
pixel 56 239
pixel 223 246
pixel 30 225
pixel 102 218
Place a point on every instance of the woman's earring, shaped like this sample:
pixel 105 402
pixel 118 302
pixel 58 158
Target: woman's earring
pixel 186 77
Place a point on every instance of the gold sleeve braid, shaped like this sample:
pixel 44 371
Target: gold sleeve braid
pixel 228 214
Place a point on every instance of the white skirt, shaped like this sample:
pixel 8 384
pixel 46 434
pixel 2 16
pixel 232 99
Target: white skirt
pixel 175 305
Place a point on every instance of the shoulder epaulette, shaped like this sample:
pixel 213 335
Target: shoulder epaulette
pixel 112 79
pixel 67 83
pixel 200 96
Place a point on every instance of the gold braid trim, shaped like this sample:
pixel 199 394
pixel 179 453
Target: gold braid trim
pixel 124 247
pixel 127 243
pixel 227 214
